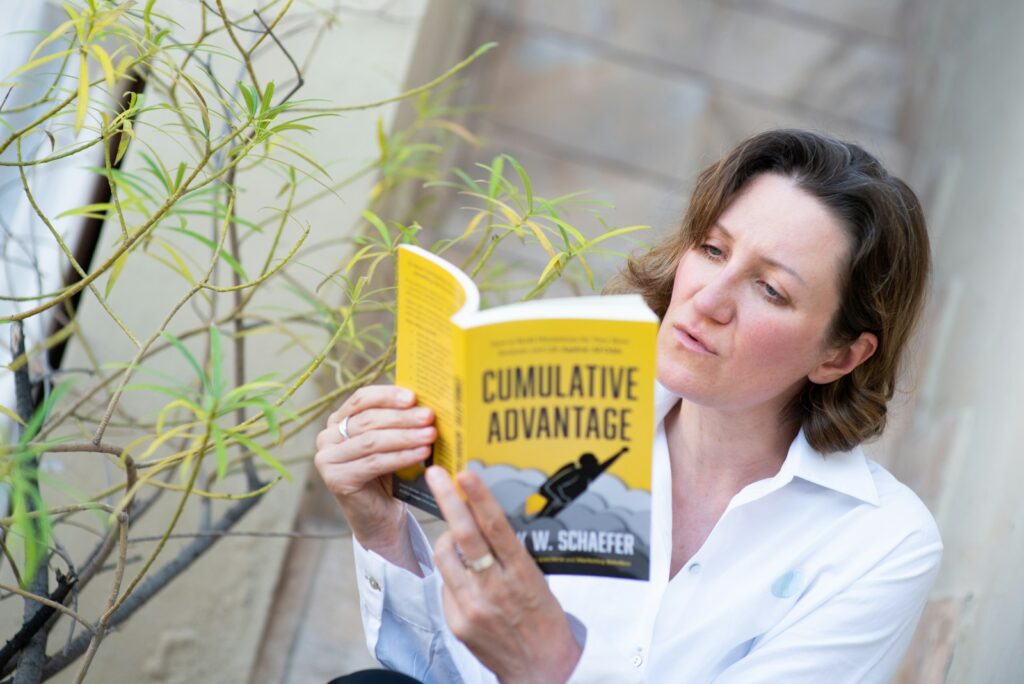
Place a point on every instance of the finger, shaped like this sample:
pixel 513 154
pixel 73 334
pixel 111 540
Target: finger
pixel 490 518
pixel 461 522
pixel 364 470
pixel 373 396
pixel 376 442
pixel 347 477
pixel 447 561
pixel 379 419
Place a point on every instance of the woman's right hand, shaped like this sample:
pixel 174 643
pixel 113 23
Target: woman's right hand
pixel 387 432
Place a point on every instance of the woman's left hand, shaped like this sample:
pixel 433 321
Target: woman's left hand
pixel 496 600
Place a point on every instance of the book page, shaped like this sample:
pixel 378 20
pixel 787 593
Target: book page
pixel 428 296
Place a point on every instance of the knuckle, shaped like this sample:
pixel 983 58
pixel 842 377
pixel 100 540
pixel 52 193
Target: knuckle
pixel 370 441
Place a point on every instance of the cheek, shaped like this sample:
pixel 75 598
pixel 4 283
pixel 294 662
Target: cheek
pixel 771 343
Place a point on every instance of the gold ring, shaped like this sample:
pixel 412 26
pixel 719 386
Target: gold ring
pixel 343 428
pixel 480 564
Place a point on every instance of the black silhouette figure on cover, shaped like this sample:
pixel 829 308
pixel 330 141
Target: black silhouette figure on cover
pixel 566 485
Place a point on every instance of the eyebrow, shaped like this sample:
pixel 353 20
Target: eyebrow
pixel 771 262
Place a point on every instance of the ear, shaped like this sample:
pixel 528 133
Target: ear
pixel 844 359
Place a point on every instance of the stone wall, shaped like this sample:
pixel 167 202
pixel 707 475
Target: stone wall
pixel 962 446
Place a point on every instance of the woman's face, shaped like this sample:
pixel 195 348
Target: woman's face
pixel 751 305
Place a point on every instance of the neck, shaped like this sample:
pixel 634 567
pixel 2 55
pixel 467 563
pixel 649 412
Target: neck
pixel 717 453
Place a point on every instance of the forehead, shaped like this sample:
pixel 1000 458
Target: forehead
pixel 776 219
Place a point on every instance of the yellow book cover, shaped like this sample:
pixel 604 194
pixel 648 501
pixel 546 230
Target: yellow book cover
pixel 551 402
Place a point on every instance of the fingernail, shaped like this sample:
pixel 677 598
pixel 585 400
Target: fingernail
pixel 406 396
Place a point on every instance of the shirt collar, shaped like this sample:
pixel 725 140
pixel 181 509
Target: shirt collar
pixel 846 472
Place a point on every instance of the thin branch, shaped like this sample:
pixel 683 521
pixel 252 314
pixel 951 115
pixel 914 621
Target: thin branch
pixel 151 586
pixel 101 628
pixel 45 601
pixel 409 93
pixel 16 643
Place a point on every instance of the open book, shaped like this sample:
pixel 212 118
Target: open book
pixel 550 401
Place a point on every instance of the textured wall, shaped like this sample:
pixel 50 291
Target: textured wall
pixel 963 443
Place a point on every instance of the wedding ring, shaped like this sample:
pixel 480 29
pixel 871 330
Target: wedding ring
pixel 343 428
pixel 480 564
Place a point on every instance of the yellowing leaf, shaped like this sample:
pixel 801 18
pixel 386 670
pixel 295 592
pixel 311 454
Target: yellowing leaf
pixel 56 33
pixel 122 143
pixel 11 414
pixel 538 233
pixel 83 93
pixel 473 224
pixel 108 68
pixel 115 272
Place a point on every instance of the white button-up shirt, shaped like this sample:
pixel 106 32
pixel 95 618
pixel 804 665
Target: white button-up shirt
pixel 818 574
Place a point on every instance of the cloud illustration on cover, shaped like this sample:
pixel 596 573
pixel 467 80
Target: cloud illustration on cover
pixel 607 505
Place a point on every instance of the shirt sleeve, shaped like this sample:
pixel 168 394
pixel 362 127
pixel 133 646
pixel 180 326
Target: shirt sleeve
pixel 596 663
pixel 858 635
pixel 403 619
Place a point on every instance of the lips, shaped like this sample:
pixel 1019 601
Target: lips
pixel 692 341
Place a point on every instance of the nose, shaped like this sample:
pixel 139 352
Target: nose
pixel 716 298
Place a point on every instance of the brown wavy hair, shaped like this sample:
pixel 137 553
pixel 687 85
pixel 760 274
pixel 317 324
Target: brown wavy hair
pixel 883 286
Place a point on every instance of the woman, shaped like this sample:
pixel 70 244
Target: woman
pixel 779 552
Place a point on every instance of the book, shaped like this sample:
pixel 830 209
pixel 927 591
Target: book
pixel 550 401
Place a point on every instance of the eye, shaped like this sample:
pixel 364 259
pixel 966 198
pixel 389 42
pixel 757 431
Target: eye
pixel 771 294
pixel 711 252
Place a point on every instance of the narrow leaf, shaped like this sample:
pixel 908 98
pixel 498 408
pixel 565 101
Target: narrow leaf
pixel 216 362
pixel 83 93
pixel 183 350
pixel 262 453
pixel 108 67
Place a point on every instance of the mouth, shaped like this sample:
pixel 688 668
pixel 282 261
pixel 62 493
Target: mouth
pixel 691 341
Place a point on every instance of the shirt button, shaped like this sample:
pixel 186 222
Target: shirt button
pixel 637 661
pixel 694 568
pixel 374 584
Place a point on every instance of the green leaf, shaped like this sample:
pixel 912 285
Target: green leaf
pixel 377 223
pixel 230 260
pixel 158 171
pixel 250 98
pixel 43 411
pixel 220 450
pixel 618 231
pixel 262 453
pixel 268 95
pixel 497 172
pixel 183 350
pixel 159 389
pixel 180 175
pixel 216 363
pixel 525 179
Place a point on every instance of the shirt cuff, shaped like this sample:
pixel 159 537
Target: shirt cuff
pixel 385 586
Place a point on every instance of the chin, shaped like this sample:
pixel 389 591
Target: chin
pixel 678 381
